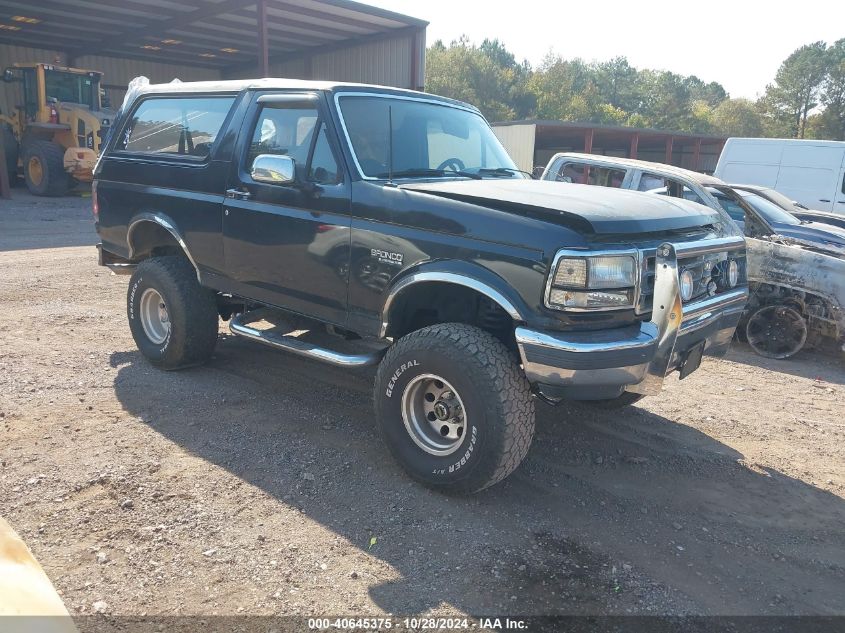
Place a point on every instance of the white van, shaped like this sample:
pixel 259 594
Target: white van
pixel 809 172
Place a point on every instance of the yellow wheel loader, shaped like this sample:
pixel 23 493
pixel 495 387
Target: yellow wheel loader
pixel 55 133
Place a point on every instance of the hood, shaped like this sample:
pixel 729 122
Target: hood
pixel 601 210
pixel 814 235
pixel 825 233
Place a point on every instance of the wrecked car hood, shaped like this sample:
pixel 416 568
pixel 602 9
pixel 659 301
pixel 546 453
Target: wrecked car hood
pixel 833 248
pixel 826 234
pixel 605 210
pixel 792 265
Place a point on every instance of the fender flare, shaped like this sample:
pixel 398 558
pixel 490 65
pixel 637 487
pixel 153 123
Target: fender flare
pixel 167 224
pixel 471 277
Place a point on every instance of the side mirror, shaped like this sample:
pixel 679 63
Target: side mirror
pixel 273 169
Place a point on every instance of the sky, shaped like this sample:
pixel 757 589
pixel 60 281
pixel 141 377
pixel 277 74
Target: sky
pixel 740 43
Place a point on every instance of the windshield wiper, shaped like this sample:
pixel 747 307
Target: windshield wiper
pixel 504 170
pixel 424 172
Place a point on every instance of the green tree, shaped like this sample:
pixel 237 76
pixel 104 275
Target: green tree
pixel 712 93
pixel 789 101
pixel 617 82
pixel 560 89
pixel 666 100
pixel 486 76
pixel 830 124
pixel 737 117
pixel 611 92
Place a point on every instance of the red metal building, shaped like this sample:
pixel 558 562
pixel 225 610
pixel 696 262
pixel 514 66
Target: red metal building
pixel 532 143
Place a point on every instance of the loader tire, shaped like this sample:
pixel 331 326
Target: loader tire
pixel 44 170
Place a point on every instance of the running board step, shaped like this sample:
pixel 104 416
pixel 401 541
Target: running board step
pixel 238 325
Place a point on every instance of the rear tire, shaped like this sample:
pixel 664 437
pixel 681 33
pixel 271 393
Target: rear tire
pixel 454 407
pixel 44 169
pixel 173 319
pixel 624 400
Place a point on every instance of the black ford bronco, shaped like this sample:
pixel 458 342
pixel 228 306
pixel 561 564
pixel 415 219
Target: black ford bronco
pixel 393 229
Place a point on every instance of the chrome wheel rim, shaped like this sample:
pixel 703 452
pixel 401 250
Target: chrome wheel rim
pixel 434 415
pixel 776 331
pixel 154 317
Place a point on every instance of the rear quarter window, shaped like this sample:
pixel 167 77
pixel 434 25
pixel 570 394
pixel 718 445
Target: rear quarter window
pixel 175 126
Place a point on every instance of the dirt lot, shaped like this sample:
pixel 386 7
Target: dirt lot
pixel 257 484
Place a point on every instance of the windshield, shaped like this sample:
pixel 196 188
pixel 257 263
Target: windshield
pixel 71 88
pixel 427 138
pixel 779 199
pixel 771 212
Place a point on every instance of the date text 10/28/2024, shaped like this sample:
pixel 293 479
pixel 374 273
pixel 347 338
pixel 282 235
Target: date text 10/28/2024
pixel 416 624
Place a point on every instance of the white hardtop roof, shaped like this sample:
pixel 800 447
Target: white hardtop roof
pixel 270 83
pixel 656 168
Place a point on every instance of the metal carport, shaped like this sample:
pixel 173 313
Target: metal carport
pixel 206 39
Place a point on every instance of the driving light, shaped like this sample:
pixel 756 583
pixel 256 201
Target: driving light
pixel 687 283
pixel 733 273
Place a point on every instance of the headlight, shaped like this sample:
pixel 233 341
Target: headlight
pixel 687 283
pixel 592 282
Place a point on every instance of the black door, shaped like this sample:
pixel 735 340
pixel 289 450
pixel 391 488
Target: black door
pixel 288 244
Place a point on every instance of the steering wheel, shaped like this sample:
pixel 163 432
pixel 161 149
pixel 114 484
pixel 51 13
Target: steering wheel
pixel 455 164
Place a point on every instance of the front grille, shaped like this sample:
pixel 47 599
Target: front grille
pixel 704 269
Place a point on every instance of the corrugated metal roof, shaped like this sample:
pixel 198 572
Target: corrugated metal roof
pixel 216 34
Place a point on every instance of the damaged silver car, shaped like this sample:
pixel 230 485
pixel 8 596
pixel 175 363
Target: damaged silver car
pixel 797 286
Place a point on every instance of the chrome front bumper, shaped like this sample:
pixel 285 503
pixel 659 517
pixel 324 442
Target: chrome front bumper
pixel 603 364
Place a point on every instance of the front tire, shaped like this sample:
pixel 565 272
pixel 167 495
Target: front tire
pixel 454 407
pixel 173 319
pixel 776 331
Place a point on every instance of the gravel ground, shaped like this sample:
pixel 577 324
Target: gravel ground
pixel 257 484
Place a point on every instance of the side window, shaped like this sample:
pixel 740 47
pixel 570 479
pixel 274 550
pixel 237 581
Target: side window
pixel 323 168
pixel 184 127
pixel 30 91
pixel 590 175
pixel 606 177
pixel 667 187
pixel 284 130
pixel 650 182
pixel 570 172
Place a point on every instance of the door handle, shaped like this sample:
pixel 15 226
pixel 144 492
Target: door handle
pixel 823 200
pixel 238 194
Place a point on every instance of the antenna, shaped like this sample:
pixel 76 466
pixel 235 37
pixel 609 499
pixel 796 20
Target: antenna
pixel 390 144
